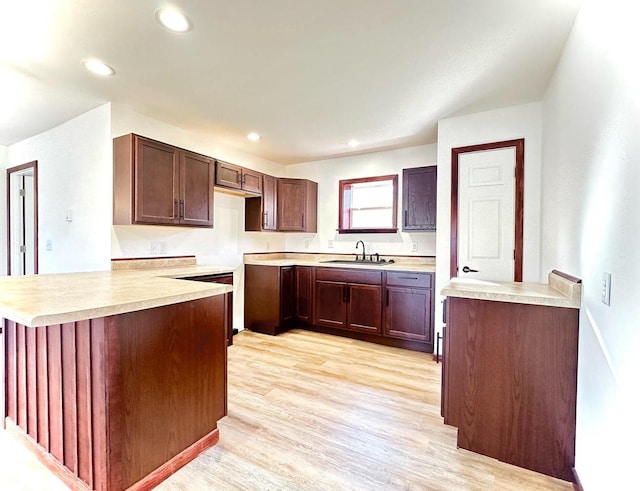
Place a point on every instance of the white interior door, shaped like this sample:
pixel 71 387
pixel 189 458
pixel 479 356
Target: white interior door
pixel 486 214
pixel 22 221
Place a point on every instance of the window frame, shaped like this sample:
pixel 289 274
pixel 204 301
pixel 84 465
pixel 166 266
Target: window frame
pixel 345 228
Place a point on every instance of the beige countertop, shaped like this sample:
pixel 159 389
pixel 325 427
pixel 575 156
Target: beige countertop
pixel 39 300
pixel 408 264
pixel 559 292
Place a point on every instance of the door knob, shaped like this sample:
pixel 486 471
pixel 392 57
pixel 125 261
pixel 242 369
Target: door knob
pixel 467 269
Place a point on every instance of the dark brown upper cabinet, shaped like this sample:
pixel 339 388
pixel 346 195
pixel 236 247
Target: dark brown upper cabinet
pixel 235 177
pixel 419 193
pixel 368 205
pixel 260 211
pixel 297 205
pixel 159 184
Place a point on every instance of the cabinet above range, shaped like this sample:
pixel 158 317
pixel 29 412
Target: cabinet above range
pixel 235 177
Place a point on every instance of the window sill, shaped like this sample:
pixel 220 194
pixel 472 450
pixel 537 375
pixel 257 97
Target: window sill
pixel 367 230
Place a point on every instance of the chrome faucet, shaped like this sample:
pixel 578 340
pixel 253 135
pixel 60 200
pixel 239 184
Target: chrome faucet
pixel 364 256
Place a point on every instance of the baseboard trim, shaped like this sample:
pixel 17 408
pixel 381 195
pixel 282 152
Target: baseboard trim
pixel 577 485
pixel 170 467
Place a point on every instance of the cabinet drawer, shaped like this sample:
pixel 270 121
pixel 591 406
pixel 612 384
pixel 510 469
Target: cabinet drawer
pixel 420 280
pixel 349 276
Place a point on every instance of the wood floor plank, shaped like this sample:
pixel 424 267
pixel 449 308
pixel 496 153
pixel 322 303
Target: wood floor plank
pixel 308 411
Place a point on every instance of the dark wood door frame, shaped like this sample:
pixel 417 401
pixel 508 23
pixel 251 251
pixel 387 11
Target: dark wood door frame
pixel 29 165
pixel 519 201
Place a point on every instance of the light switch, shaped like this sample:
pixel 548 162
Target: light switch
pixel 606 288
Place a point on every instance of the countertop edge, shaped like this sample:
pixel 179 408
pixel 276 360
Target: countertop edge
pixel 550 295
pixel 197 291
pixel 395 267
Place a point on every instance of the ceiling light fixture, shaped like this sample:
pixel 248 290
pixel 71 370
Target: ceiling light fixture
pixel 173 19
pixel 97 67
pixel 353 143
pixel 254 137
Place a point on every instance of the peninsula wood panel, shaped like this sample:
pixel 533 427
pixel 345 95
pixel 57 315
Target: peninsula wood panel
pixel 511 372
pixel 57 394
pixel 119 401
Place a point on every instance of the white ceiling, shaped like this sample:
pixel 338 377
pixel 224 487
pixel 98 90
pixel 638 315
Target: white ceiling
pixel 308 75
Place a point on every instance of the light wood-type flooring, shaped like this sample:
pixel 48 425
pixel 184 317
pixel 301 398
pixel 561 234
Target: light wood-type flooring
pixel 309 411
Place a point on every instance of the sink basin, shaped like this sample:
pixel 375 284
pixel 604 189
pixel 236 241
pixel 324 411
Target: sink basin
pixel 359 262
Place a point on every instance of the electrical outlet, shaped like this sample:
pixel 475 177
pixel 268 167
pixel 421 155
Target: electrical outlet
pixel 307 243
pixel 606 288
pixel 414 247
pixel 157 247
pixel 49 245
pixel 267 245
pixel 330 244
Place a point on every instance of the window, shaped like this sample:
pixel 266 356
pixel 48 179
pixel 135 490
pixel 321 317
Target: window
pixel 368 205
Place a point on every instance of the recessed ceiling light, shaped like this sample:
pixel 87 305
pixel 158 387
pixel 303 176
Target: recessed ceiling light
pixel 173 19
pixel 353 143
pixel 254 137
pixel 99 68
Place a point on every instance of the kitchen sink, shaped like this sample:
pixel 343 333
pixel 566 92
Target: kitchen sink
pixel 381 262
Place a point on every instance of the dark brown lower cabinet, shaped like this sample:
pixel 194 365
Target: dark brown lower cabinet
pixel 409 307
pixel 510 376
pixel 303 291
pixel 348 299
pixel 269 298
pixel 372 305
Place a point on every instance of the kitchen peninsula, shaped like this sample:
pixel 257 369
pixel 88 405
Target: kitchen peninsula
pixel 115 379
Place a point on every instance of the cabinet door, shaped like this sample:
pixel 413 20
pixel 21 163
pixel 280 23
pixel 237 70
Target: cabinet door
pixel 303 293
pixel 228 175
pixel 419 198
pixel 269 202
pixel 291 205
pixel 156 182
pixel 196 190
pixel 287 296
pixel 364 308
pixel 408 313
pixel 251 181
pixel 330 307
pixel 262 298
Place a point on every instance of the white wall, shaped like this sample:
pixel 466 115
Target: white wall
pixel 591 225
pixel 223 245
pixel 327 173
pixel 509 123
pixel 74 173
pixel 4 159
pixel 227 241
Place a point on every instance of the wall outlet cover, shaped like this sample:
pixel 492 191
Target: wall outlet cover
pixel 414 247
pixel 157 247
pixel 330 244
